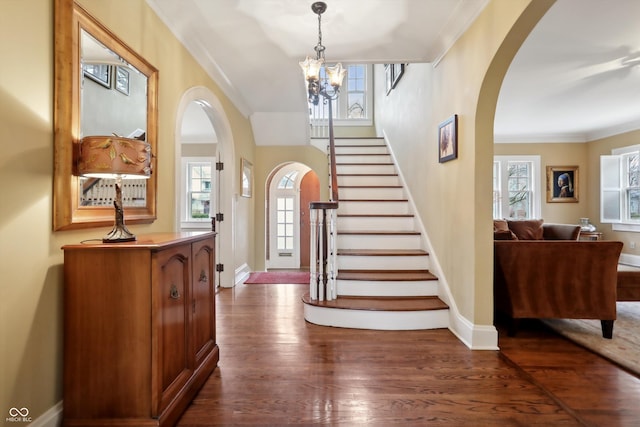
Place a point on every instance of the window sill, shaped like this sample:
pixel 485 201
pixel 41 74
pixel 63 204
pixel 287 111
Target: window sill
pixel 633 227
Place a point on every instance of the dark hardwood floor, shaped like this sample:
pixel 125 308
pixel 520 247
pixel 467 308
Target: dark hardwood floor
pixel 275 370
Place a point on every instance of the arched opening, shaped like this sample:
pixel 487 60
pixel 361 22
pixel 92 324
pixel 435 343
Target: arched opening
pixel 290 188
pixel 204 140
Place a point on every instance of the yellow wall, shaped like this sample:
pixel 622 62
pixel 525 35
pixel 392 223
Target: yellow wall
pixel 556 154
pixel 454 198
pixel 31 309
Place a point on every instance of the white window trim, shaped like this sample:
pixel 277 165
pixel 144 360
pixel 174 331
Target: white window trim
pixel 204 223
pixel 535 180
pixel 622 224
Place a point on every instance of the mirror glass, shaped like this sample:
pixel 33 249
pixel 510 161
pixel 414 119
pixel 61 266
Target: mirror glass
pixel 102 87
pixel 111 88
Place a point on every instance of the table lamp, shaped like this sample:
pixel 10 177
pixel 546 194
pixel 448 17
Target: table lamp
pixel 116 158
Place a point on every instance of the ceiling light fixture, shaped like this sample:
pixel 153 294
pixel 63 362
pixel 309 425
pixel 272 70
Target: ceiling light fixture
pixel 312 67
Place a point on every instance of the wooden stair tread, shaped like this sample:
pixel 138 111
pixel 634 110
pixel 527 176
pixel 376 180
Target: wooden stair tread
pixel 366 174
pixel 370 186
pixel 381 303
pixel 382 252
pixel 380 232
pixel 374 200
pixel 376 215
pixel 386 275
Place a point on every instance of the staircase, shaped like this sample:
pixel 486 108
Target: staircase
pixel 383 278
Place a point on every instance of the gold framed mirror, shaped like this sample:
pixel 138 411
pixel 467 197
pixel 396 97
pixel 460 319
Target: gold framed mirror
pixel 102 87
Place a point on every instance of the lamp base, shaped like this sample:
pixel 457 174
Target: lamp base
pixel 119 234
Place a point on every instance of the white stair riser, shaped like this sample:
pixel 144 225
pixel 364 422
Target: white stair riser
pixel 359 223
pixel 378 241
pixel 371 193
pixel 377 159
pixel 351 207
pixel 365 169
pixel 368 180
pixel 363 288
pixel 360 141
pixel 364 149
pixel 376 319
pixel 353 262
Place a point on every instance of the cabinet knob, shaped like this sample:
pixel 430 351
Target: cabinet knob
pixel 173 292
pixel 203 276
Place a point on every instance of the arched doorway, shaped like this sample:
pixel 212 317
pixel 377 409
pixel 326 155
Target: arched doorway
pixel 290 189
pixel 198 105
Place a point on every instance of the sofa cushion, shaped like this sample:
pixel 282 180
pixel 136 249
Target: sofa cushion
pixel 527 229
pixel 500 225
pixel 504 235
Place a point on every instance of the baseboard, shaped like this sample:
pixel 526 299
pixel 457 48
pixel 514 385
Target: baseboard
pixel 242 273
pixel 629 259
pixel 51 418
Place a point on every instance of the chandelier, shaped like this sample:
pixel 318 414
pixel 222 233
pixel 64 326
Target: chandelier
pixel 311 67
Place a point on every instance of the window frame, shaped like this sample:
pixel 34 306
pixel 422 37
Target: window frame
pixel 185 200
pixel 502 183
pixel 614 189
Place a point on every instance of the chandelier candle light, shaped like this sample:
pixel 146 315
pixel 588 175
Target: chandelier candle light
pixel 311 67
pixel 116 158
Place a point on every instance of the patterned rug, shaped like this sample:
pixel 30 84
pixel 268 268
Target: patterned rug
pixel 275 277
pixel 623 349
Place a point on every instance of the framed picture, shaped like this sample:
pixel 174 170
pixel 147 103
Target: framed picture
pixel 99 73
pixel 122 80
pixel 246 177
pixel 562 184
pixel 398 71
pixel 388 77
pixel 448 139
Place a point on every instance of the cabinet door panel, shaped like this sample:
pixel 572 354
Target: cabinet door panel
pixel 203 307
pixel 173 296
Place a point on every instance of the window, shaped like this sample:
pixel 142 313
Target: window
pixel 288 181
pixel 515 192
pixel 353 106
pixel 197 182
pixel 284 214
pixel 620 189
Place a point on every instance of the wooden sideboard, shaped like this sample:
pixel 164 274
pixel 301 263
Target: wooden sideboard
pixel 139 328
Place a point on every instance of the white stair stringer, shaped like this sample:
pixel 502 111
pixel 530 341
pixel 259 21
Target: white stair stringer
pixel 383 270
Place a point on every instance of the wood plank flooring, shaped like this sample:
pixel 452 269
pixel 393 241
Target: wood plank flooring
pixel 275 370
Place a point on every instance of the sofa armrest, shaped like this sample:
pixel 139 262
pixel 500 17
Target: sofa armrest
pixel 560 231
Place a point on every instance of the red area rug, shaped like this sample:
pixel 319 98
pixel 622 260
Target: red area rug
pixel 275 277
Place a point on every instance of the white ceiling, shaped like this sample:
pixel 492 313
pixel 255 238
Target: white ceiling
pixel 574 79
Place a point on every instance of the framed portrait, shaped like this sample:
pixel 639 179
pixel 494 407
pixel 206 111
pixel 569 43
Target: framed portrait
pixel 246 176
pixel 99 73
pixel 122 80
pixel 448 139
pixel 562 184
pixel 398 71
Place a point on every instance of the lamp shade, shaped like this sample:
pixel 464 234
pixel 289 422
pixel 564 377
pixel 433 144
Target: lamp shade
pixel 336 75
pixel 111 156
pixel 311 68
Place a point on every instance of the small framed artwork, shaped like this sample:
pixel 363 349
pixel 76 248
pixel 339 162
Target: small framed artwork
pixel 562 184
pixel 246 177
pixel 398 71
pixel 122 80
pixel 99 73
pixel 448 139
pixel 388 77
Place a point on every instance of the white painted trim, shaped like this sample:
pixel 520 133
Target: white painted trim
pixel 629 259
pixel 476 337
pixel 242 273
pixel 52 417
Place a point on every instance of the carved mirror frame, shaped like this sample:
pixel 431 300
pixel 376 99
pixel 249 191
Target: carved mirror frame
pixel 70 20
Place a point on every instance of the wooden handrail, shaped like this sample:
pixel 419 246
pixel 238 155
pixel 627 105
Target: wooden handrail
pixel 334 200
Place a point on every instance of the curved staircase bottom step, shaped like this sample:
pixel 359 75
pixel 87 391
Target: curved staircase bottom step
pixel 380 313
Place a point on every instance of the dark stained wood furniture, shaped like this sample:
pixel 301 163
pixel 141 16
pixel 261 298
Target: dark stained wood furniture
pixel 139 328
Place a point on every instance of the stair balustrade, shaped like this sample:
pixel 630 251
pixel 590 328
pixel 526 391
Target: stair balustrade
pixel 323 254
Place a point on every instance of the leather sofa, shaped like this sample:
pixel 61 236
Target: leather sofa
pixel 544 278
